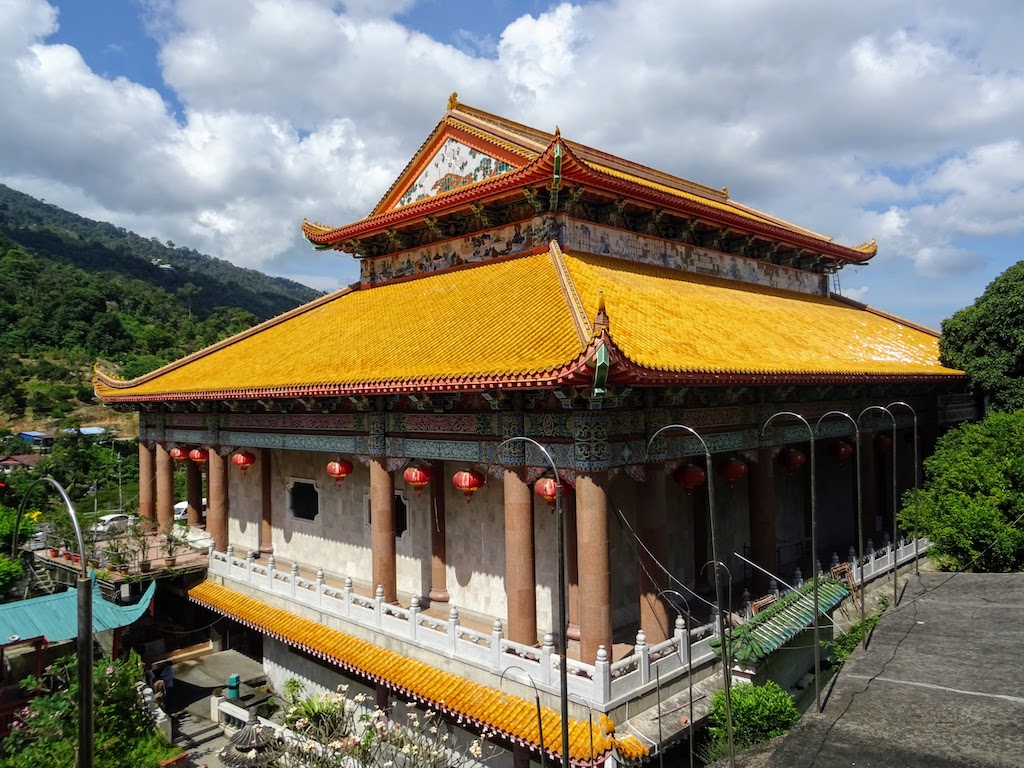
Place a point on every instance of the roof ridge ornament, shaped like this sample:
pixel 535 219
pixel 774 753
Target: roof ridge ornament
pixel 601 323
pixel 453 101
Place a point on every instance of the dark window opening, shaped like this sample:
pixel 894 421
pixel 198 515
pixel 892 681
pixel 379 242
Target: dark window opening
pixel 305 500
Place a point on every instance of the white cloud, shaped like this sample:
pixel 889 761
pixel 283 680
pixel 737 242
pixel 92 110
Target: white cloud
pixel 899 121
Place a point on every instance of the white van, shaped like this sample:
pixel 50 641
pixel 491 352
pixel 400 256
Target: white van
pixel 181 511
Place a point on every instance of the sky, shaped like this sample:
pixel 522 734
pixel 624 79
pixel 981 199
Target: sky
pixel 220 125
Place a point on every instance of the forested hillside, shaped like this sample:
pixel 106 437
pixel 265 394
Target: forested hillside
pixel 75 291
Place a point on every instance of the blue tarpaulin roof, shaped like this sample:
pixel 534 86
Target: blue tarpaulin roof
pixel 55 617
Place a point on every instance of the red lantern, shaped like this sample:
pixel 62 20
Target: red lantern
pixel 547 489
pixel 884 442
pixel 417 477
pixel 179 453
pixel 689 476
pixel 243 460
pixel 339 469
pixel 732 470
pixel 842 451
pixel 199 455
pixel 792 459
pixel 469 481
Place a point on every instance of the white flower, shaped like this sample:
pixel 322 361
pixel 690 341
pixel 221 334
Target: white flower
pixel 251 754
pixel 475 750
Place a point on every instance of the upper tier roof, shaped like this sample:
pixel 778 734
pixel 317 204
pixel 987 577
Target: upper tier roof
pixel 527 322
pixel 473 154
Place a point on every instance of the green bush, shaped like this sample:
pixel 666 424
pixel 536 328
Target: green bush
pixel 759 713
pixel 839 650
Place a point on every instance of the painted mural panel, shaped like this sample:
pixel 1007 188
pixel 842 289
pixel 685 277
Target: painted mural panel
pixel 453 166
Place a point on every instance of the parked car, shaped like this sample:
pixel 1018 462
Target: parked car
pixel 181 511
pixel 112 524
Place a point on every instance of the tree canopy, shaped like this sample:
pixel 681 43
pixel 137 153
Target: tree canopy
pixel 986 340
pixel 972 502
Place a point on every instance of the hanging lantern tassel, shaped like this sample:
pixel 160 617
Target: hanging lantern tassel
pixel 469 481
pixel 243 460
pixel 339 470
pixel 547 489
pixel 417 477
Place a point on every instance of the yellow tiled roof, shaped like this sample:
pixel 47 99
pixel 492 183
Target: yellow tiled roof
pixel 499 319
pixel 667 321
pixel 507 319
pixel 509 715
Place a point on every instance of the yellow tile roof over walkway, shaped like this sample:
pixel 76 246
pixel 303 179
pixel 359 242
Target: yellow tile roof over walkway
pixel 513 717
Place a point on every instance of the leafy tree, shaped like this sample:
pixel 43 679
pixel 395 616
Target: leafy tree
pixel 986 340
pixel 972 500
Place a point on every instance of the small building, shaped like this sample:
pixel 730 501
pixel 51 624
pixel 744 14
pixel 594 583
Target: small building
pixel 533 313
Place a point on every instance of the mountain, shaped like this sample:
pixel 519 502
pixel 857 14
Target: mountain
pixel 74 292
pixel 99 247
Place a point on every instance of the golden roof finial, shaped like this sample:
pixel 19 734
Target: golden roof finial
pixel 558 132
pixel 453 101
pixel 725 191
pixel 601 318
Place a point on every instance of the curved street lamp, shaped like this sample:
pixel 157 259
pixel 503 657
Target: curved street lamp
pixel 895 529
pixel 860 506
pixel 718 571
pixel 689 671
pixel 562 628
pixel 84 586
pixel 536 699
pixel 917 482
pixel 814 551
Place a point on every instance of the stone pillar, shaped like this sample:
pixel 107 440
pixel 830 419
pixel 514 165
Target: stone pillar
pixel 763 538
pixel 382 528
pixel 572 571
pixel 438 538
pixel 164 488
pixel 868 486
pixel 520 576
pixel 194 492
pixel 652 528
pixel 218 504
pixel 701 552
pixel 266 501
pixel 147 482
pixel 594 565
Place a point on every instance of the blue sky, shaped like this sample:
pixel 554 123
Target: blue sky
pixel 219 125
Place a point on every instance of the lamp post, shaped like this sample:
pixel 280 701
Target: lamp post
pixel 718 573
pixel 917 501
pixel 563 671
pixel 689 672
pixel 895 534
pixel 536 699
pixel 860 506
pixel 84 647
pixel 814 551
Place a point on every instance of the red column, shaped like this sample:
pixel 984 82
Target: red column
pixel 763 538
pixel 164 488
pixel 194 492
pixel 572 571
pixel 594 565
pixel 218 502
pixel 520 578
pixel 652 525
pixel 438 539
pixel 266 502
pixel 382 528
pixel 147 482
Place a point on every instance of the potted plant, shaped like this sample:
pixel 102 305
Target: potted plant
pixel 117 555
pixel 173 541
pixel 137 536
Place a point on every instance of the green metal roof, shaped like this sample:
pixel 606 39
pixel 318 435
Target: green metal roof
pixel 781 622
pixel 55 616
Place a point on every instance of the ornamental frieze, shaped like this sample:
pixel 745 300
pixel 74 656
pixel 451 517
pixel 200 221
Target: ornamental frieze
pixel 436 423
pixel 313 422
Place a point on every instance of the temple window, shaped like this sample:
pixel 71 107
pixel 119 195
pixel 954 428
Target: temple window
pixel 303 499
pixel 401 513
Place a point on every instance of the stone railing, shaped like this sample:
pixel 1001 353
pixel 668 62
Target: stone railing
pixel 603 685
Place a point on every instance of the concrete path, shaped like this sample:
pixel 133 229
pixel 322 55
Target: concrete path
pixel 941 685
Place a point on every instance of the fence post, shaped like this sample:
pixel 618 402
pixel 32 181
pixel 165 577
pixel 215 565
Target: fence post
pixel 643 654
pixel 497 634
pixel 602 675
pixel 319 586
pixel 453 629
pixel 547 651
pixel 295 578
pixel 270 572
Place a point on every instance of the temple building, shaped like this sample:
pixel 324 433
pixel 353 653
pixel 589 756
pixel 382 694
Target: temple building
pixel 528 304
